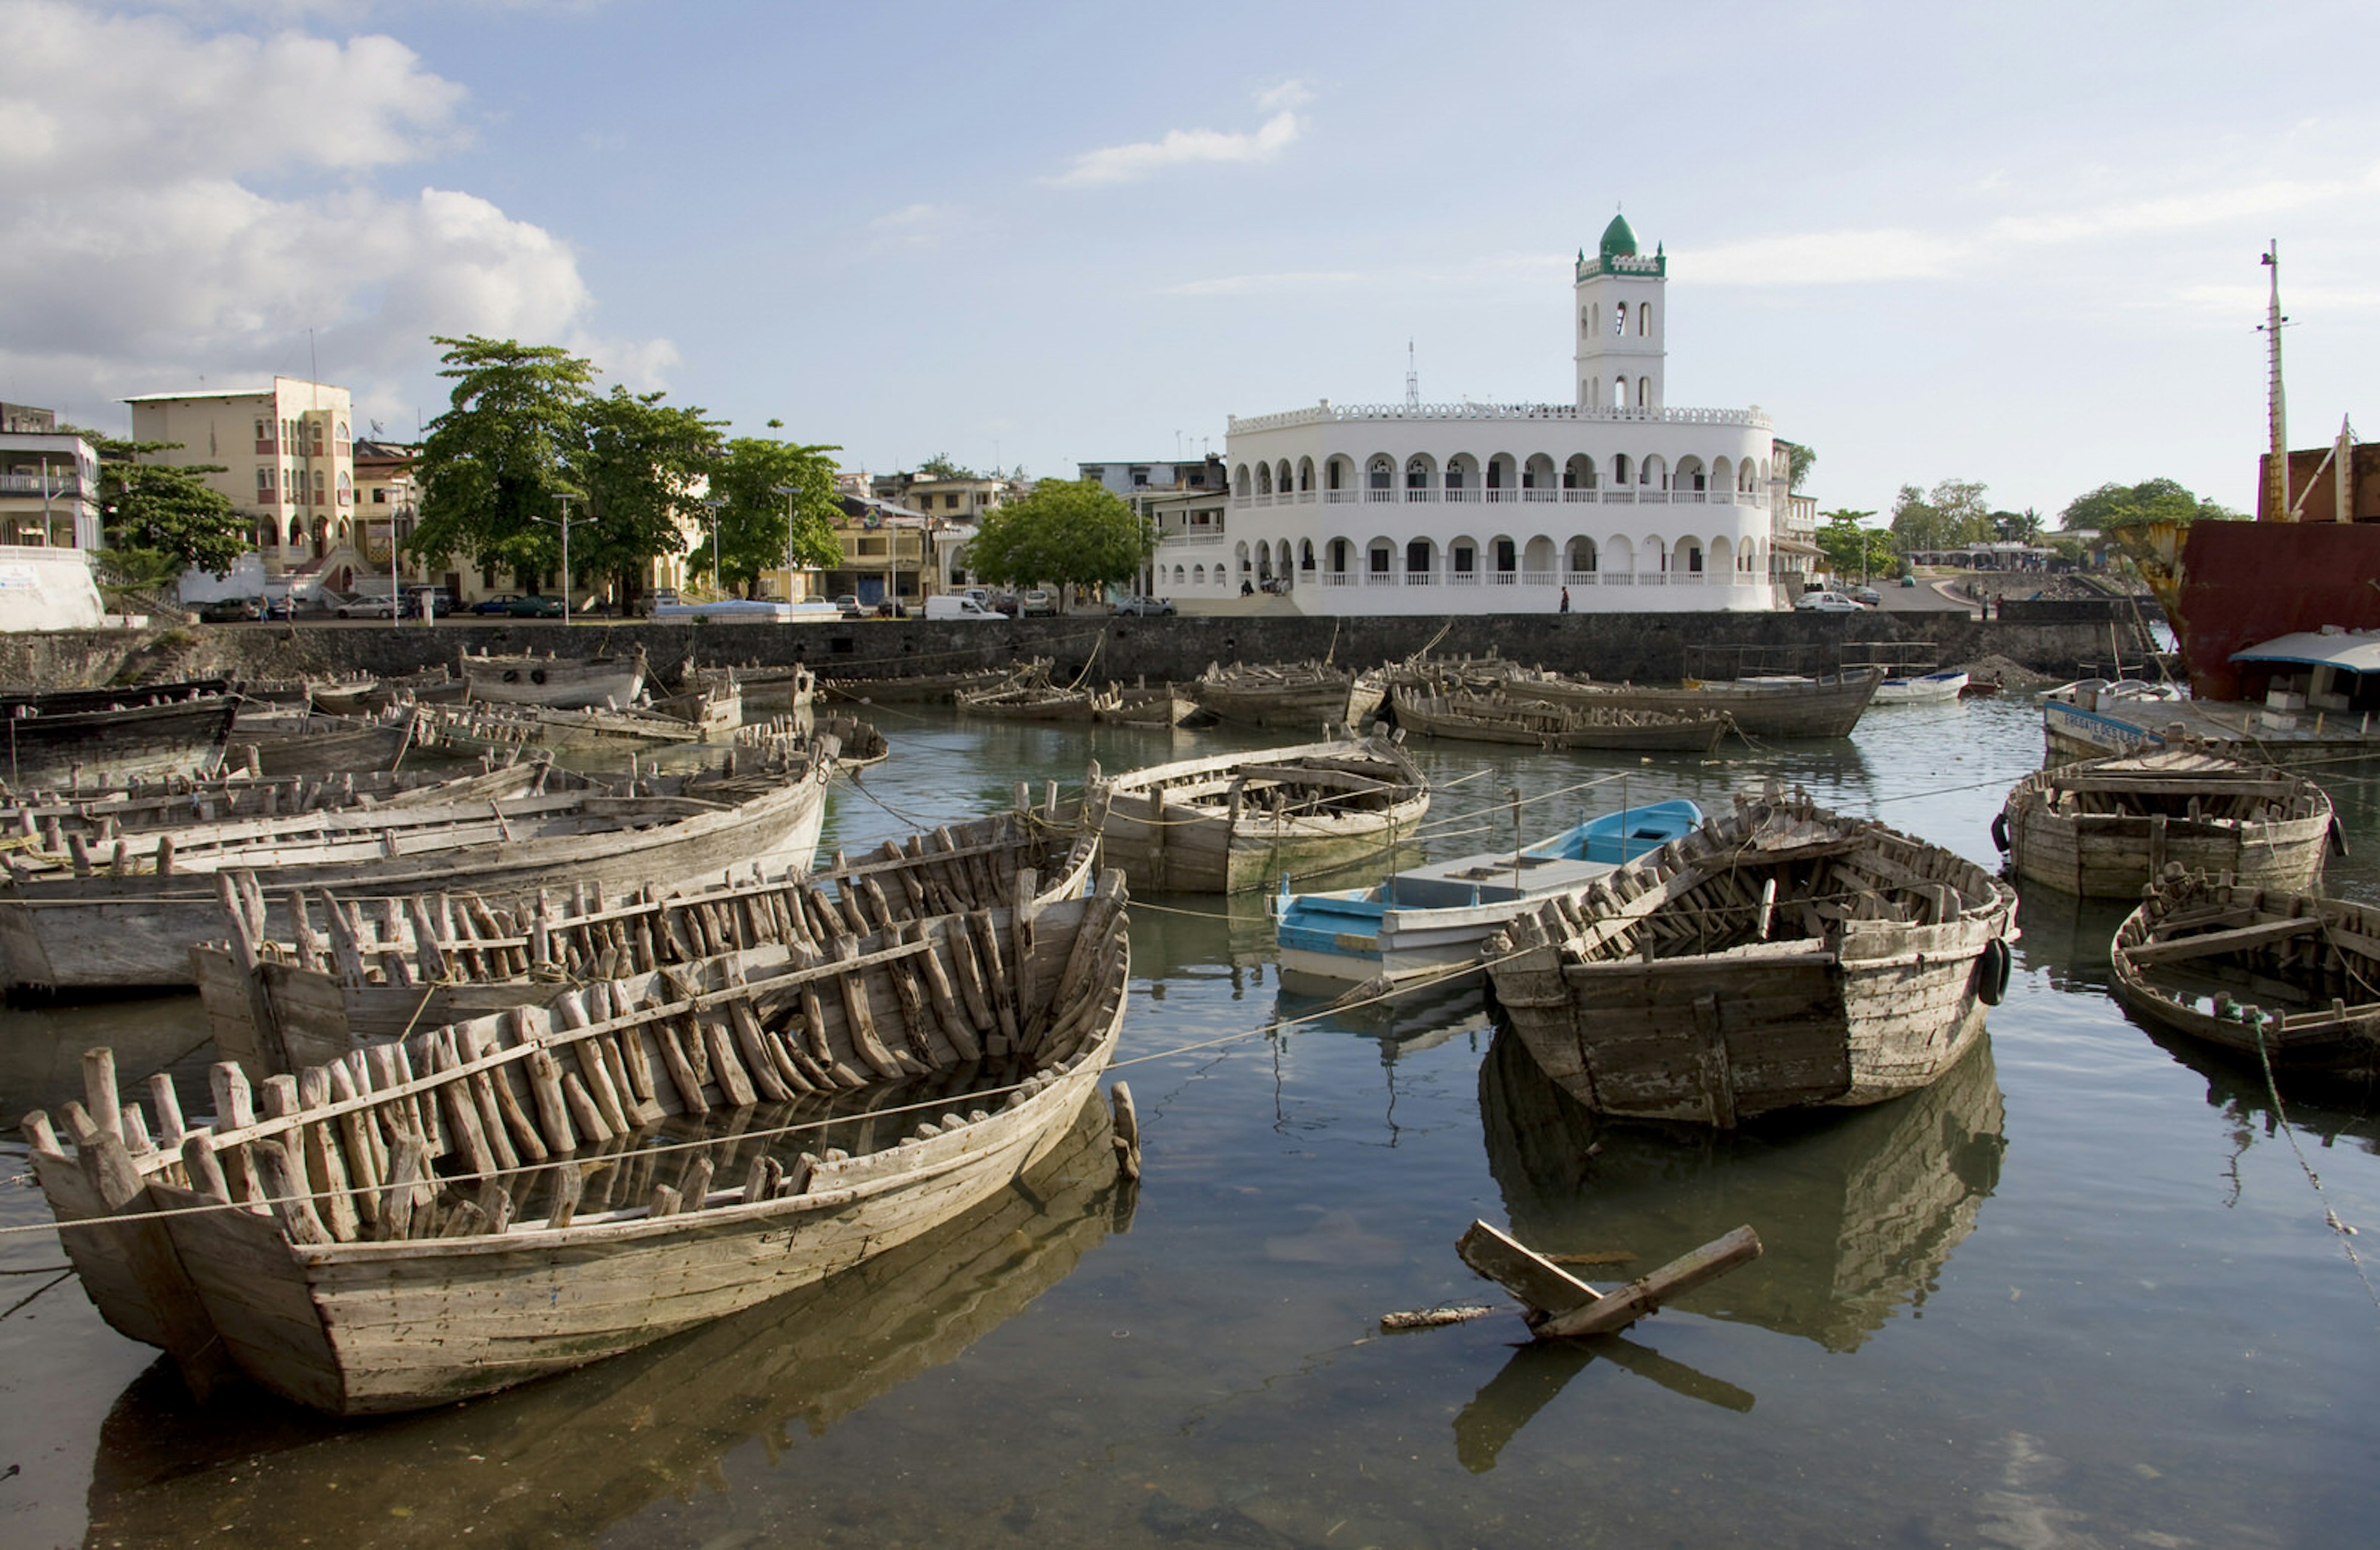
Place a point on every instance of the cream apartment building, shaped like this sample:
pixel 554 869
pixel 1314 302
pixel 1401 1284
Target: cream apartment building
pixel 288 451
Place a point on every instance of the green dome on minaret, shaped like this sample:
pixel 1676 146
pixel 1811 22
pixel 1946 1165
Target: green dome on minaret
pixel 1618 238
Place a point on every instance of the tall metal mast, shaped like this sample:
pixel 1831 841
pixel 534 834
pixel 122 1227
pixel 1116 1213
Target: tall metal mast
pixel 1412 379
pixel 2276 471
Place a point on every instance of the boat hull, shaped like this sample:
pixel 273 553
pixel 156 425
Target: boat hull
pixel 2114 855
pixel 165 730
pixel 1828 707
pixel 556 682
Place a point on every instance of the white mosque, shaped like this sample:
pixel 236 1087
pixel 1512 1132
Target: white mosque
pixel 1618 502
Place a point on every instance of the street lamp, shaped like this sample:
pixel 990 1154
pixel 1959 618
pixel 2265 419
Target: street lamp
pixel 562 522
pixel 714 506
pixel 788 492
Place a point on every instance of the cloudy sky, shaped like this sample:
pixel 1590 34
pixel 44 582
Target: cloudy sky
pixel 2015 242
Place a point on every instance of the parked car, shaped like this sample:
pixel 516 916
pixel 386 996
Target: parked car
pixel 439 601
pixel 281 607
pixel 1909 580
pixel 1826 603
pixel 1005 603
pixel 501 603
pixel 1869 596
pixel 848 606
pixel 1039 604
pixel 890 609
pixel 536 606
pixel 1146 607
pixel 367 608
pixel 231 611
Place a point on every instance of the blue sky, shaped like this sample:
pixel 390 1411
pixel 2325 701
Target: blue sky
pixel 2014 243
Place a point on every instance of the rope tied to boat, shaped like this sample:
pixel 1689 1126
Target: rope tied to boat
pixel 2344 1234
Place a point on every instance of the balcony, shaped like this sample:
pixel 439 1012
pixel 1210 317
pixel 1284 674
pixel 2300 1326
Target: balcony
pixel 1579 578
pixel 1462 578
pixel 1338 579
pixel 1379 578
pixel 36 484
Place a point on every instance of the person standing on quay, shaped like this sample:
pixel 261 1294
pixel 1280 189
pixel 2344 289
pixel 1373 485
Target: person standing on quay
pixel 1565 599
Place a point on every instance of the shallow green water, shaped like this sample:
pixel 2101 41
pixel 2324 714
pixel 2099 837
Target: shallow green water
pixel 2080 1293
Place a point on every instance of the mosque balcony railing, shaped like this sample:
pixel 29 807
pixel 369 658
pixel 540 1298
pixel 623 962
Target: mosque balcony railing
pixel 1579 578
pixel 1327 413
pixel 1338 579
pixel 1536 578
pixel 1462 578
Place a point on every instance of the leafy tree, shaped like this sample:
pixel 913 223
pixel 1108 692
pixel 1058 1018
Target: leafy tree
pixel 2022 526
pixel 498 459
pixel 1798 459
pixel 163 519
pixel 1852 549
pixel 638 462
pixel 1066 533
pixel 1950 514
pixel 753 536
pixel 2160 500
pixel 939 466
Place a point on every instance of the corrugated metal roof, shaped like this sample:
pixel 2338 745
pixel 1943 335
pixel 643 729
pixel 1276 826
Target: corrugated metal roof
pixel 2357 651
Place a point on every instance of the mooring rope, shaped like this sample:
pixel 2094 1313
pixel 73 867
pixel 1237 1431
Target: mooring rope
pixel 2345 1234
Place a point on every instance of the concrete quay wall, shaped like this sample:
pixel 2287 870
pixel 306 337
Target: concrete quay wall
pixel 1643 647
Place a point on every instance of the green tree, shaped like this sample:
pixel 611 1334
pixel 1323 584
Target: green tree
pixel 164 518
pixel 2160 500
pixel 1852 549
pixel 498 459
pixel 939 466
pixel 1798 459
pixel 1950 514
pixel 2022 526
pixel 752 480
pixel 1066 533
pixel 636 460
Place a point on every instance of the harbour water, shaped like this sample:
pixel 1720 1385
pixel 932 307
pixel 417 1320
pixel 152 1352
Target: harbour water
pixel 2081 1293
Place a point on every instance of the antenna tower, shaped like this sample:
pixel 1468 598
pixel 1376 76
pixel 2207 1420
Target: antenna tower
pixel 1412 379
pixel 2276 467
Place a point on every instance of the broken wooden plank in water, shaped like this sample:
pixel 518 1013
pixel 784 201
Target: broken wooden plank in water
pixel 1431 1318
pixel 1561 1305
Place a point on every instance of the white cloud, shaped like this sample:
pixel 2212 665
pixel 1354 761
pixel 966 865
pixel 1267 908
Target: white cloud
pixel 1128 164
pixel 2179 211
pixel 1824 259
pixel 181 205
pixel 1287 94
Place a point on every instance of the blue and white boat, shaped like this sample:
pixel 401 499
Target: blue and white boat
pixel 1928 688
pixel 1431 920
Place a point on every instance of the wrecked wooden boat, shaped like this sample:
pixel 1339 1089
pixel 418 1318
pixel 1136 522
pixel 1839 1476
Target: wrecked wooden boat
pixel 2287 977
pixel 1143 704
pixel 863 745
pixel 2105 827
pixel 302 742
pixel 129 920
pixel 1029 699
pixel 1781 957
pixel 375 968
pixel 439 1218
pixel 1510 717
pixel 58 737
pixel 563 682
pixel 1787 706
pixel 1305 696
pixel 929 688
pixel 1235 822
pixel 348 696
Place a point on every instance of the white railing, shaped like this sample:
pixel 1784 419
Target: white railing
pixel 1338 497
pixel 1497 497
pixel 1544 494
pixel 1412 495
pixel 1325 413
pixel 34 484
pixel 1537 578
pixel 1305 497
pixel 1505 578
pixel 1579 578
pixel 1620 497
pixel 1581 497
pixel 1338 579
pixel 1379 495
pixel 1457 494
pixel 1651 497
pixel 1264 498
pixel 1619 578
pixel 1690 497
pixel 1651 578
pixel 1420 578
pixel 1379 578
pixel 1193 541
pixel 1686 578
pixel 1462 578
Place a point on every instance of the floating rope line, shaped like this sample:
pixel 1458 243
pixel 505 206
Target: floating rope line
pixel 2345 1234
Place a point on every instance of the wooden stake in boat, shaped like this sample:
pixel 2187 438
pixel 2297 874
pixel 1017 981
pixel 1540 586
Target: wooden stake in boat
pixel 1561 1305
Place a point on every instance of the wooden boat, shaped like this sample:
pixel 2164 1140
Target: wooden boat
pixel 344 696
pixel 525 726
pixel 1879 1196
pixel 380 967
pixel 58 737
pixel 1305 696
pixel 1141 706
pixel 1781 957
pixel 796 1365
pixel 300 742
pixel 1912 669
pixel 326 1253
pixel 928 688
pixel 1510 715
pixel 1428 921
pixel 1925 688
pixel 139 811
pixel 1235 822
pixel 2103 828
pixel 2270 973
pixel 132 924
pixel 563 682
pixel 710 708
pixel 1035 700
pixel 1783 707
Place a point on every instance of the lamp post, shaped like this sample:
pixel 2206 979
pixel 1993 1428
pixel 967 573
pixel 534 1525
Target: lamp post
pixel 562 522
pixel 714 506
pixel 788 492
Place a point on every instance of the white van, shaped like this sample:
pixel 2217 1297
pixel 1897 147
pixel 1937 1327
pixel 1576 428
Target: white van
pixel 941 605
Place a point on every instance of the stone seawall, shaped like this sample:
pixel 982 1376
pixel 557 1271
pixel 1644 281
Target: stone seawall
pixel 1645 646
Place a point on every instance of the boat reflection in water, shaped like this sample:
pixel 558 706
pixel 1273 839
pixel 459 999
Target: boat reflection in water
pixel 1858 1209
pixel 565 1459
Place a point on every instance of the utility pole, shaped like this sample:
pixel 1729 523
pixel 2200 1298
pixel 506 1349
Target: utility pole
pixel 2276 473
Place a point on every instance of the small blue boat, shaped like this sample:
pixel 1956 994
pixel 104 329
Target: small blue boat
pixel 1431 920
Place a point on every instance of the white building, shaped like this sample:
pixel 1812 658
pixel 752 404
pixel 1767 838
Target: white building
pixel 287 456
pixel 1618 501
